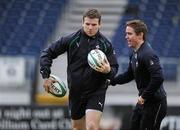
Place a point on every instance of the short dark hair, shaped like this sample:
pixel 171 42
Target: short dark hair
pixel 138 26
pixel 92 13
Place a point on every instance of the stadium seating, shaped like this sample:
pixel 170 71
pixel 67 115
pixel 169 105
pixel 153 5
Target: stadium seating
pixel 163 21
pixel 25 25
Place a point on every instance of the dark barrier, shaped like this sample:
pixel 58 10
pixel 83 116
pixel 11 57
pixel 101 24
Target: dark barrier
pixel 34 118
pixel 57 118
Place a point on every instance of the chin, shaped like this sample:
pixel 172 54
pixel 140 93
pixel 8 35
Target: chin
pixel 129 45
pixel 91 35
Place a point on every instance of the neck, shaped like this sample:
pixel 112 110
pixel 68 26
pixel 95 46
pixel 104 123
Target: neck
pixel 138 46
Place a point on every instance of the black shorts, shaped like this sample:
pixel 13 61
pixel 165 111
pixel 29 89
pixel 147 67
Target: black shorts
pixel 80 104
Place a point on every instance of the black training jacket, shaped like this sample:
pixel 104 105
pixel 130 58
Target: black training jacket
pixel 81 78
pixel 145 68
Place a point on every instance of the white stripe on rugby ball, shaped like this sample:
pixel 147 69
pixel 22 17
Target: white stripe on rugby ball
pixel 59 88
pixel 95 58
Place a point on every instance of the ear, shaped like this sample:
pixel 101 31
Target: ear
pixel 141 34
pixel 100 24
pixel 83 23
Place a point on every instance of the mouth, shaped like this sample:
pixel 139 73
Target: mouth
pixel 90 32
pixel 129 42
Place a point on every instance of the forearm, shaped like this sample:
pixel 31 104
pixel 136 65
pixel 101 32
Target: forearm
pixel 122 79
pixel 112 72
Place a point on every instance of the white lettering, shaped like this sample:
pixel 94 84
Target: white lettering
pixel 44 125
pixel 17 114
pixel 171 123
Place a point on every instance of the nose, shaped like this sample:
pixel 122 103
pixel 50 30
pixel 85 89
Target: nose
pixel 90 26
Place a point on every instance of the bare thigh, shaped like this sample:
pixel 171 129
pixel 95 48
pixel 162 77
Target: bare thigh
pixel 79 124
pixel 93 118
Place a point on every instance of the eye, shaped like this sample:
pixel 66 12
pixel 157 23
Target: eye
pixel 128 33
pixel 94 24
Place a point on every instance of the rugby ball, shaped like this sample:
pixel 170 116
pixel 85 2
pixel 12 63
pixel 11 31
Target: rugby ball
pixel 95 58
pixel 58 88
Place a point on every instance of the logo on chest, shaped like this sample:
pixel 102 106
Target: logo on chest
pixel 97 47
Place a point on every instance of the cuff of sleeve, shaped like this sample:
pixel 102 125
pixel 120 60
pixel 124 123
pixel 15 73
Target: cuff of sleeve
pixel 109 75
pixel 144 96
pixel 114 81
pixel 45 75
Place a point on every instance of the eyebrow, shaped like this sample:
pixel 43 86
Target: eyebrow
pixel 91 24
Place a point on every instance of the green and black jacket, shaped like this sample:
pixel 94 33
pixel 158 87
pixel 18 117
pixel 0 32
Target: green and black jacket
pixel 80 76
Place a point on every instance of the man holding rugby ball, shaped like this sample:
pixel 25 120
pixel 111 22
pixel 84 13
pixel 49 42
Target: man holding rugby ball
pixel 87 87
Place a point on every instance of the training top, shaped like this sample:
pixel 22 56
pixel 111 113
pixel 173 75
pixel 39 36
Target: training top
pixel 145 68
pixel 81 78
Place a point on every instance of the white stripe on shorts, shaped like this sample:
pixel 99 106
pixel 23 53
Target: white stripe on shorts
pixel 91 110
